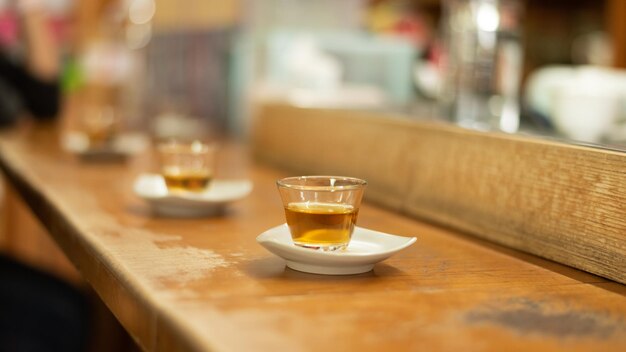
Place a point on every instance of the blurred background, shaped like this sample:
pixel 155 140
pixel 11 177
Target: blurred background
pixel 548 67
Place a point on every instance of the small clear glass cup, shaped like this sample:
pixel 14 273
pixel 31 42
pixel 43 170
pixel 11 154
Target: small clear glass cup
pixel 187 166
pixel 321 211
pixel 100 125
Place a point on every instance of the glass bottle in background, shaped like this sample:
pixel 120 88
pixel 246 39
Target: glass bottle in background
pixel 111 67
pixel 481 63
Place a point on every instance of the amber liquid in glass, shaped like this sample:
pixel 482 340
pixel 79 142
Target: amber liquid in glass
pixel 324 226
pixel 187 181
pixel 100 138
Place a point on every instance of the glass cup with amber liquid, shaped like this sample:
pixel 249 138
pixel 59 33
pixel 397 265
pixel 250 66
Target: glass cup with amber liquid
pixel 100 124
pixel 321 211
pixel 187 166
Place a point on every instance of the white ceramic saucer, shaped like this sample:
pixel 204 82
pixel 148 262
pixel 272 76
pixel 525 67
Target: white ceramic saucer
pixel 123 145
pixel 366 248
pixel 152 189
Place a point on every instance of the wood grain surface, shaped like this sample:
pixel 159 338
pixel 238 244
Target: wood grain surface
pixel 205 284
pixel 560 201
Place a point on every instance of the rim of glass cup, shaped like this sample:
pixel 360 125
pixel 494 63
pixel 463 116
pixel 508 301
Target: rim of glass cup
pixel 184 147
pixel 355 183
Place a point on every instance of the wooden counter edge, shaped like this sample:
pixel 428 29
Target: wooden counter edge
pixel 140 317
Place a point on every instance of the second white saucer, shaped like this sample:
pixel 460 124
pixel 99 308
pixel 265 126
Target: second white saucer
pixel 152 189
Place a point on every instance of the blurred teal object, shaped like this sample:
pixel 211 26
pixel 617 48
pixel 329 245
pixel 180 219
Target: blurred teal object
pixel 382 62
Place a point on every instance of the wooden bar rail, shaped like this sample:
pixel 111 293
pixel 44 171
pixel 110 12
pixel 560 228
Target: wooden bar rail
pixel 205 284
pixel 562 202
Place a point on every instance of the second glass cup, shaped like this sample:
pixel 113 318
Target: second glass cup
pixel 100 124
pixel 187 166
pixel 321 211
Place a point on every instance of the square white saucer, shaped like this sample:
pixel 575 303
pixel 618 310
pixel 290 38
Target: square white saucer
pixel 366 248
pixel 152 189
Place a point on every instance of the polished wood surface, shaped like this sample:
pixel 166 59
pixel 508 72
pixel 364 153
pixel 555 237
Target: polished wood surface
pixel 560 201
pixel 205 284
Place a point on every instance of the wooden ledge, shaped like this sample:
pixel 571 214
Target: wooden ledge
pixel 562 202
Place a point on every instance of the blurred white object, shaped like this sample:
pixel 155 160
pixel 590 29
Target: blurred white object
pixel 542 84
pixel 128 143
pixel 366 248
pixel 427 78
pixel 584 103
pixel 583 114
pixel 354 58
pixel 152 189
pixel 308 67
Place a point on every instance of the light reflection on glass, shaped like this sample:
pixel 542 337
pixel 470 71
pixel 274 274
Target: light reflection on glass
pixel 141 11
pixel 487 17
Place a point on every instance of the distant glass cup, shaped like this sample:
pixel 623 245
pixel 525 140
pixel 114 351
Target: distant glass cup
pixel 187 166
pixel 100 124
pixel 321 211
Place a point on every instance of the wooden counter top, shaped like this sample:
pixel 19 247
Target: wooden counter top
pixel 205 284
